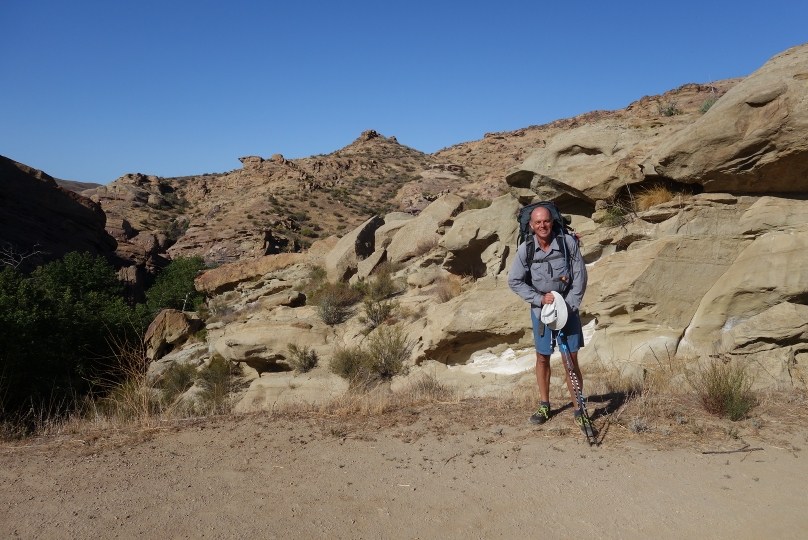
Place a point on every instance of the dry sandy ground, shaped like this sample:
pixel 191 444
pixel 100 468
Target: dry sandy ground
pixel 426 472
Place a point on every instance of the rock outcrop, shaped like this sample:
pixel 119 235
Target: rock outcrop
pixel 226 277
pixel 38 215
pixel 755 138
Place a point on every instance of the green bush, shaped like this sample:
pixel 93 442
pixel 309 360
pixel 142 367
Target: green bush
pixel 58 328
pixel 174 287
pixel 707 103
pixel 302 359
pixel 376 311
pixel 349 363
pixel 724 388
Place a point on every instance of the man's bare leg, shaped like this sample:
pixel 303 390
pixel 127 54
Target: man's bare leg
pixel 543 376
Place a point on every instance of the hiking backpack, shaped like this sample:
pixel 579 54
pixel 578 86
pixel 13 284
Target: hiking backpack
pixel 561 228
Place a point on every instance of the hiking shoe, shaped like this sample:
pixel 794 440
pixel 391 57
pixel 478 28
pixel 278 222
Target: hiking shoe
pixel 541 415
pixel 586 425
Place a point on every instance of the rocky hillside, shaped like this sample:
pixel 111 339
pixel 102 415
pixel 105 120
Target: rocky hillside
pixel 692 224
pixel 277 204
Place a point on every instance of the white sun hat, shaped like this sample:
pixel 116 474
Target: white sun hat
pixel 555 315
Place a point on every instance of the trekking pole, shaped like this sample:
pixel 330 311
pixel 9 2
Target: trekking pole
pixel 576 387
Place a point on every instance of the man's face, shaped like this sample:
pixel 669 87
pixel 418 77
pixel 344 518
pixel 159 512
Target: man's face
pixel 541 223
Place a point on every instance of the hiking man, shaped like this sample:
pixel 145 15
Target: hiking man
pixel 557 266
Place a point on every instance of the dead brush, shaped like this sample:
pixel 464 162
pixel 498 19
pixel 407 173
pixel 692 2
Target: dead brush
pixel 724 388
pixel 446 288
pixel 652 196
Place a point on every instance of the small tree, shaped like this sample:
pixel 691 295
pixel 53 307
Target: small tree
pixel 174 287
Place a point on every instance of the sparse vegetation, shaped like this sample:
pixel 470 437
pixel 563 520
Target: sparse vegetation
pixel 387 349
pixel 333 302
pixel 707 103
pixel 724 388
pixel 669 108
pixel 477 204
pixel 447 287
pixel 302 359
pixel 652 196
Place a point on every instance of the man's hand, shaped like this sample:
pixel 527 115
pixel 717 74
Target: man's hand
pixel 548 298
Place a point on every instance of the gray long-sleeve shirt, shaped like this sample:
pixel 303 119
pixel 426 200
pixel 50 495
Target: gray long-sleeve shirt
pixel 546 272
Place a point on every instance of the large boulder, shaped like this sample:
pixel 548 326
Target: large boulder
pixel 392 223
pixel 270 392
pixel 227 276
pixel 341 262
pixel 262 345
pixel 489 315
pixel 644 298
pixel 775 341
pixel 419 235
pixel 771 270
pixel 754 139
pixel 169 330
pixel 480 241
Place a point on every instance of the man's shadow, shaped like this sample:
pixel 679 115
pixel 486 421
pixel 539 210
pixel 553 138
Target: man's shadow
pixel 609 403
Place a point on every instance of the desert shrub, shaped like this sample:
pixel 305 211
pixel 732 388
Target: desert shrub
pixel 477 204
pixel 669 108
pixel 388 348
pixel 382 284
pixel 652 196
pixel 376 311
pixel 615 215
pixel 174 287
pixel 724 388
pixel 302 359
pixel 333 300
pixel 447 288
pixel 349 362
pixel 219 379
pixel 707 103
pixel 176 380
pixel 425 245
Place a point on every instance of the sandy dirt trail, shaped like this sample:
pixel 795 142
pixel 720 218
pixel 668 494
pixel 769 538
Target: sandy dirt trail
pixel 265 477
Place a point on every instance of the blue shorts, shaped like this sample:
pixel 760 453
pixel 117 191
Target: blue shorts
pixel 572 331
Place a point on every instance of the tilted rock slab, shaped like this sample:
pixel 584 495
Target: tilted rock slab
pixel 170 329
pixel 227 276
pixel 419 235
pixel 341 262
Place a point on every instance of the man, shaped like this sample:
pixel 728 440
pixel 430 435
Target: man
pixel 551 270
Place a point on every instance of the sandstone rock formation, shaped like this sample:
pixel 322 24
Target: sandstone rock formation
pixel 341 263
pixel 169 330
pixel 755 138
pixel 226 277
pixel 38 215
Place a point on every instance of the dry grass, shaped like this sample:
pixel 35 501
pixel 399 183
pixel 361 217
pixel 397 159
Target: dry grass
pixel 724 388
pixel 447 287
pixel 652 196
pixel 426 245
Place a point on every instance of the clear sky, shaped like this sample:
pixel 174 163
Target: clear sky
pixel 93 89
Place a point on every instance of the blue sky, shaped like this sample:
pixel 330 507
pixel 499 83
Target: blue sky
pixel 91 90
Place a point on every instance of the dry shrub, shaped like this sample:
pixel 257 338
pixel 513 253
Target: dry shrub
pixel 376 312
pixel 333 300
pixel 426 245
pixel 364 400
pixel 302 359
pixel 447 287
pixel 724 388
pixel 387 349
pixel 652 196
